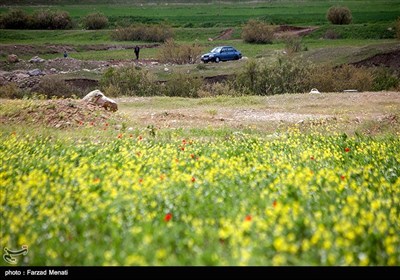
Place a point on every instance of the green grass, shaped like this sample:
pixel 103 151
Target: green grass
pixel 55 37
pixel 205 15
pixel 358 31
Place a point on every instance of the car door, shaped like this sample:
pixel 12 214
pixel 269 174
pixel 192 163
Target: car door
pixel 231 53
pixel 224 54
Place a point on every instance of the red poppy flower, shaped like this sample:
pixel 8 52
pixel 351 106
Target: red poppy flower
pixel 193 179
pixel 182 148
pixel 168 217
pixel 106 124
pixel 120 136
pixel 92 123
pixel 140 180
pixel 192 155
pixel 274 203
pixel 312 157
pixel 183 141
pixel 248 218
pixel 130 135
pixel 347 149
pixel 342 177
pixel 140 137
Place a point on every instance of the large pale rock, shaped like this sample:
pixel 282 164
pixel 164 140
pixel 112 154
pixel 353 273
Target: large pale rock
pixel 98 98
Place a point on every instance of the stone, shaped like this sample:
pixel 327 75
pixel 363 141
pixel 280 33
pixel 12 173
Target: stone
pixel 350 90
pixel 98 98
pixel 314 90
pixel 118 126
pixel 21 76
pixel 35 72
pixel 36 59
pixel 12 58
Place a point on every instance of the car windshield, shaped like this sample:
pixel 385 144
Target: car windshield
pixel 216 50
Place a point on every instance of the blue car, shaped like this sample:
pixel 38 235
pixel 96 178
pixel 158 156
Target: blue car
pixel 223 53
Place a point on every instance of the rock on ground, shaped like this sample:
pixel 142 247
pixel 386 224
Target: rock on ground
pixel 98 98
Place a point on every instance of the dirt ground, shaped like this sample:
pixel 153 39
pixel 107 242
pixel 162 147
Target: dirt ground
pixel 367 112
pixel 60 114
pixel 390 59
pixel 372 110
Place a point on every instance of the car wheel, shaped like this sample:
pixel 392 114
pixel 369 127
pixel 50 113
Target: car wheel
pixel 217 60
pixel 236 57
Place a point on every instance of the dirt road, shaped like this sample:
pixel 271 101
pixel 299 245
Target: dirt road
pixel 348 110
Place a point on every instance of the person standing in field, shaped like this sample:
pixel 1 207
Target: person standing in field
pixel 137 50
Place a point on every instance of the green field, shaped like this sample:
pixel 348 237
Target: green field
pixel 372 22
pixel 223 15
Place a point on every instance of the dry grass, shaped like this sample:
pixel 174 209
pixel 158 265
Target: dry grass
pixel 347 112
pixel 372 113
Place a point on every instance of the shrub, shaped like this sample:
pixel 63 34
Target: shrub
pixel 385 79
pixel 129 81
pixel 42 19
pixel 247 81
pixel 47 19
pixel 95 21
pixel 331 34
pixel 217 89
pixel 11 90
pixel 16 19
pixel 290 74
pixel 61 20
pixel 287 75
pixel 151 33
pixel 112 90
pixel 179 54
pixel 292 43
pixel 337 79
pixel 182 85
pixel 398 28
pixel 258 32
pixel 53 86
pixel 339 15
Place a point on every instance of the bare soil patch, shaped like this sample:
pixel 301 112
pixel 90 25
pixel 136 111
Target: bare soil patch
pixel 225 34
pixel 389 59
pixel 288 30
pixel 368 111
pixel 63 113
